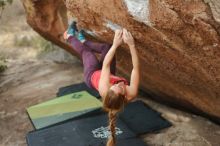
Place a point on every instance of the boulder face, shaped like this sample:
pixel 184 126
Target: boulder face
pixel 49 19
pixel 178 42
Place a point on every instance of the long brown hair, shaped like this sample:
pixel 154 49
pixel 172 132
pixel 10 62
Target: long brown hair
pixel 113 103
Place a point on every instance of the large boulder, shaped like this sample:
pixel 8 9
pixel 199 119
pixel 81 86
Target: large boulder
pixel 178 42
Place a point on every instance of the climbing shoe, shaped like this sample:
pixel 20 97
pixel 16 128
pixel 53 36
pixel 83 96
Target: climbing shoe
pixel 71 31
pixel 81 36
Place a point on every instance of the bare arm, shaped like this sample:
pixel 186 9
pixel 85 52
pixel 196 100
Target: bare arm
pixel 104 84
pixel 132 90
pixel 135 75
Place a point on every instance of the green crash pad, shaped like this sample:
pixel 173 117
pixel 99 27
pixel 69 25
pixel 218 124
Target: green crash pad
pixel 63 108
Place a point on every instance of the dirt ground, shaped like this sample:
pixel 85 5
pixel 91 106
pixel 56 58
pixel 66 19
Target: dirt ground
pixel 32 78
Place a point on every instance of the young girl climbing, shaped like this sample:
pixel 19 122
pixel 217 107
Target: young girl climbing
pixel 100 74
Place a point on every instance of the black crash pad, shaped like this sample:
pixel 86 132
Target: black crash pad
pixel 76 88
pixel 142 119
pixel 139 117
pixel 90 131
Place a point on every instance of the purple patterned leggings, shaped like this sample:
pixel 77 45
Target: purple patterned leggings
pixel 90 62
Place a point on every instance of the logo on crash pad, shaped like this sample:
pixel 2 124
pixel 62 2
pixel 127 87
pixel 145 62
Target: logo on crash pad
pixel 76 96
pixel 104 132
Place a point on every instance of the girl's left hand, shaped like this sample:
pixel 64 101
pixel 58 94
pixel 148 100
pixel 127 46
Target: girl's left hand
pixel 127 37
pixel 118 38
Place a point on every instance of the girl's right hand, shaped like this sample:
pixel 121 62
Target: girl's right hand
pixel 127 37
pixel 117 38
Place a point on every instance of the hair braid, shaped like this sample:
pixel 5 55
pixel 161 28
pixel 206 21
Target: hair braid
pixel 113 103
pixel 112 125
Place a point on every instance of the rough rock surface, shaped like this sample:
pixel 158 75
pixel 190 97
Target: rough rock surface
pixel 49 19
pixel 178 42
